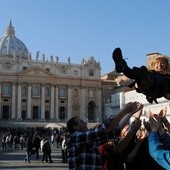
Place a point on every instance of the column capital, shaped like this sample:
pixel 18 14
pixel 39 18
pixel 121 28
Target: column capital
pixel 70 86
pixel 52 84
pixel 56 85
pixel 14 83
pixel 83 87
pixel 19 83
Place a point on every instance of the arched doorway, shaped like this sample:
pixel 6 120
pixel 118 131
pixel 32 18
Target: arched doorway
pixel 62 113
pixel 91 111
pixel 47 115
pixel 23 115
pixel 5 112
pixel 35 112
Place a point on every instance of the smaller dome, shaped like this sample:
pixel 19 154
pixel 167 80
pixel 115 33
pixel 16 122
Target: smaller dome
pixel 11 46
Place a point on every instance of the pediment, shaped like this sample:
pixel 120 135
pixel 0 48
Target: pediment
pixel 36 71
pixel 92 62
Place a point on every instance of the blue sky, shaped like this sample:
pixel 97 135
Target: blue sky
pixel 81 28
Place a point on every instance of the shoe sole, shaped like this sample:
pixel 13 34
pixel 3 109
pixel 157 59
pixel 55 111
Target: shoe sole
pixel 117 58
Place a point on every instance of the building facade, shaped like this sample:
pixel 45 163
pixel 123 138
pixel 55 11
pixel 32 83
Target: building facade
pixel 46 90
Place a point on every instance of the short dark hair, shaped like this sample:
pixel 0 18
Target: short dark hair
pixel 71 124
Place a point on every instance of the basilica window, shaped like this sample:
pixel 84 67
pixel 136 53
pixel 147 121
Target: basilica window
pixel 91 72
pixel 6 89
pixel 75 73
pixel 24 68
pixel 47 69
pixel 92 93
pixel 24 91
pixel 62 92
pixel 47 92
pixel 36 91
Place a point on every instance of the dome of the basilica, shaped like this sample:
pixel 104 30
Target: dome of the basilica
pixel 11 46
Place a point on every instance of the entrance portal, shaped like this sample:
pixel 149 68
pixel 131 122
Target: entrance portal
pixel 5 112
pixel 35 112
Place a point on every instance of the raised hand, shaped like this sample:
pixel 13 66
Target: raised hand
pixel 146 125
pixel 163 112
pixel 132 107
pixel 154 123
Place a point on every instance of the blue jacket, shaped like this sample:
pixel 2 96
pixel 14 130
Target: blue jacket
pixel 160 150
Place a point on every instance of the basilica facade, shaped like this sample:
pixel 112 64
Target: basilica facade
pixel 40 89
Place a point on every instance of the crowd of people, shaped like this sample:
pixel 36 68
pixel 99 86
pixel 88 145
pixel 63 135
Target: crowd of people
pixel 34 141
pixel 122 142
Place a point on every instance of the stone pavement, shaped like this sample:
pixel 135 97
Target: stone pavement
pixel 14 160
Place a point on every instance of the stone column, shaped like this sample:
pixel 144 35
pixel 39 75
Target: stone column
pixel 19 102
pixel 98 108
pixel 29 101
pixel 56 102
pixel 13 110
pixel 69 111
pixel 52 102
pixel 43 102
pixel 83 109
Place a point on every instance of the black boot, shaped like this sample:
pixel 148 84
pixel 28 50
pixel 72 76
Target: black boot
pixel 120 63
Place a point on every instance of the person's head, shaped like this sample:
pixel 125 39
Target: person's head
pixel 160 64
pixel 76 124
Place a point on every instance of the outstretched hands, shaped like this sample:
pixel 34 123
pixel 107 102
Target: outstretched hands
pixel 158 122
pixel 154 124
pixel 132 107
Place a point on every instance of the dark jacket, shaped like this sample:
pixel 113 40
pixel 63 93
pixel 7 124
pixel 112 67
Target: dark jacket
pixel 46 147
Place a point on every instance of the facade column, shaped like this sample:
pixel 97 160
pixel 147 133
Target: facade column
pixel 83 110
pixel 69 110
pixel 52 102
pixel 19 102
pixel 29 102
pixel 56 103
pixel 43 102
pixel 13 116
pixel 0 100
pixel 98 109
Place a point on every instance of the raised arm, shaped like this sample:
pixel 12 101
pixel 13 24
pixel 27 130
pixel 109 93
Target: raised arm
pixel 131 107
pixel 156 149
pixel 162 115
pixel 125 120
pixel 123 144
